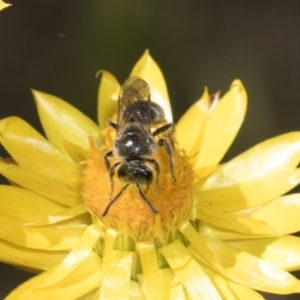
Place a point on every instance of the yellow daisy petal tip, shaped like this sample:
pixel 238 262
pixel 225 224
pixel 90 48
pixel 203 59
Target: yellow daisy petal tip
pixel 109 83
pixel 108 95
pixel 237 86
pixel 205 94
pixel 204 103
pixel 106 74
pixel 4 5
pixel 64 123
pixel 45 99
pixel 3 124
pixel 142 62
pixel 147 68
pixel 6 122
pixel 39 96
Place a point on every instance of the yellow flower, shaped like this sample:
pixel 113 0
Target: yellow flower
pixel 222 231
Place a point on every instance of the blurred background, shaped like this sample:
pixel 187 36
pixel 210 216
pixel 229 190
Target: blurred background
pixel 58 46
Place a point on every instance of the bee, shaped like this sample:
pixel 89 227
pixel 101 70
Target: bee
pixel 140 123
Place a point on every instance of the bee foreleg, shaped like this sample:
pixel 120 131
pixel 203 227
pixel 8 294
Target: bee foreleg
pixel 114 200
pixel 111 174
pixel 166 145
pixel 112 124
pixel 106 160
pixel 170 128
pixel 167 127
pixel 146 200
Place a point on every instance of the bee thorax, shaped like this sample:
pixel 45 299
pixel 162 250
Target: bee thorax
pixel 134 143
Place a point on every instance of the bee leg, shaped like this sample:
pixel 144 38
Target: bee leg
pixel 172 144
pixel 157 169
pixel 167 127
pixel 106 160
pixel 170 127
pixel 114 200
pixel 112 124
pixel 166 145
pixel 111 174
pixel 146 200
pixel 109 168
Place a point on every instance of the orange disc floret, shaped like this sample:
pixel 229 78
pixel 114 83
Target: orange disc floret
pixel 130 214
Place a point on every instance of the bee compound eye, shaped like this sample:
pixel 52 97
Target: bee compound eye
pixel 156 112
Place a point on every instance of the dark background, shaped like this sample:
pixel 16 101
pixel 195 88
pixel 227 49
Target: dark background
pixel 58 46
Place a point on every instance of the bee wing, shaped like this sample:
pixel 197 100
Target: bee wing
pixel 134 91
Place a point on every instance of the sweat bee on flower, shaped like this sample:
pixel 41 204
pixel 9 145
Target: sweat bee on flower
pixel 141 127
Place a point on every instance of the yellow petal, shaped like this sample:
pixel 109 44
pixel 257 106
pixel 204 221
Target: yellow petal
pixel 84 279
pixel 135 291
pixel 80 252
pixel 3 5
pixel 280 154
pixel 148 69
pixel 116 282
pixel 30 258
pixel 33 152
pixel 72 270
pixel 199 242
pixel 231 222
pixel 61 120
pixel 283 252
pixel 28 206
pixel 195 116
pixel 62 215
pixel 53 237
pixel 188 271
pixel 108 94
pixel 239 266
pixel 45 238
pixel 77 153
pixel 177 291
pixel 221 126
pixel 281 213
pixel 250 193
pixel 229 289
pixel 57 191
pixel 110 239
pixel 250 271
pixel 218 233
pixel 90 296
pixel 151 283
pixel 172 288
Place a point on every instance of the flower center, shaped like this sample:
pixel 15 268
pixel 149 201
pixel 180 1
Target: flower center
pixel 130 214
